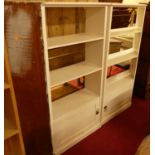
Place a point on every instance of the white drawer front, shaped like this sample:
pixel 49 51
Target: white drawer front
pixel 115 103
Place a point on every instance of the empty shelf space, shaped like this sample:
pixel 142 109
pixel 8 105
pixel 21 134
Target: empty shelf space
pixel 121 56
pixel 72 102
pixel 74 39
pixel 6 86
pixel 72 72
pixel 118 84
pixel 125 31
pixel 9 130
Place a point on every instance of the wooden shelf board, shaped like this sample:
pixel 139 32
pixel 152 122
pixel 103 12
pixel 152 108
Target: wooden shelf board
pixel 72 102
pixel 8 133
pixel 125 31
pixel 121 56
pixel 118 84
pixel 9 130
pixel 74 39
pixel 6 86
pixel 72 72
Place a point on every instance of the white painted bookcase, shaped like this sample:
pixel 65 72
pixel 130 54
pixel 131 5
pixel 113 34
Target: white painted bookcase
pixel 79 114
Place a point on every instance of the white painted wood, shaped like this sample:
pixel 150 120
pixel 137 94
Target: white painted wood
pixel 121 56
pixel 44 33
pixel 67 40
pixel 119 88
pixel 93 82
pixel 115 103
pixel 137 39
pixel 69 125
pixel 118 77
pixel 124 38
pixel 133 67
pixel 140 17
pixel 118 84
pixel 128 5
pixel 94 52
pixel 77 138
pixel 125 31
pixel 118 94
pixel 107 27
pixel 90 4
pixel 75 4
pixel 113 114
pixel 108 23
pixel 95 21
pixel 75 116
pixel 72 72
pixel 72 102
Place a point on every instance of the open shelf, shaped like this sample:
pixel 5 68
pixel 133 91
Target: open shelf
pixel 72 102
pixel 9 130
pixel 6 86
pixel 71 72
pixel 67 88
pixel 124 31
pixel 121 56
pixel 61 41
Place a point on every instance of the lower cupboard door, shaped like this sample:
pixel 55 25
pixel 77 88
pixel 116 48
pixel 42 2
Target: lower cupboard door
pixel 114 104
pixel 74 124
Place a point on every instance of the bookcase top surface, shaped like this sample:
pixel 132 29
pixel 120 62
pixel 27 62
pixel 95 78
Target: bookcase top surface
pixel 89 4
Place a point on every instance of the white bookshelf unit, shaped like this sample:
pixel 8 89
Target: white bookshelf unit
pixel 117 90
pixel 75 116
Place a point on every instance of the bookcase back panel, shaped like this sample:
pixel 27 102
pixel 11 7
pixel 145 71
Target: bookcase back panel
pixel 61 57
pixel 95 20
pixel 65 21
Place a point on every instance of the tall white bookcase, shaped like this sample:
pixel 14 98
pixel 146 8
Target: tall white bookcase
pixel 117 90
pixel 77 115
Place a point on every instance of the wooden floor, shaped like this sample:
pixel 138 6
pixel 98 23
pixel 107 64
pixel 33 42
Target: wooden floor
pixel 144 148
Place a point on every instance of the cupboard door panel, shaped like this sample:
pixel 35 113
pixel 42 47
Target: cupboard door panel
pixel 68 126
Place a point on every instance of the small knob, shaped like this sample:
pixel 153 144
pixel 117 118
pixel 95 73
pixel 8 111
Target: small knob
pixel 105 108
pixel 97 112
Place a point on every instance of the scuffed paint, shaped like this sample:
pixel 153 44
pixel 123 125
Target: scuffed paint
pixel 18 35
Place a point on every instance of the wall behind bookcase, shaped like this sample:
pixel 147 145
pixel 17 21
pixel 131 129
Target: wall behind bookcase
pixel 25 50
